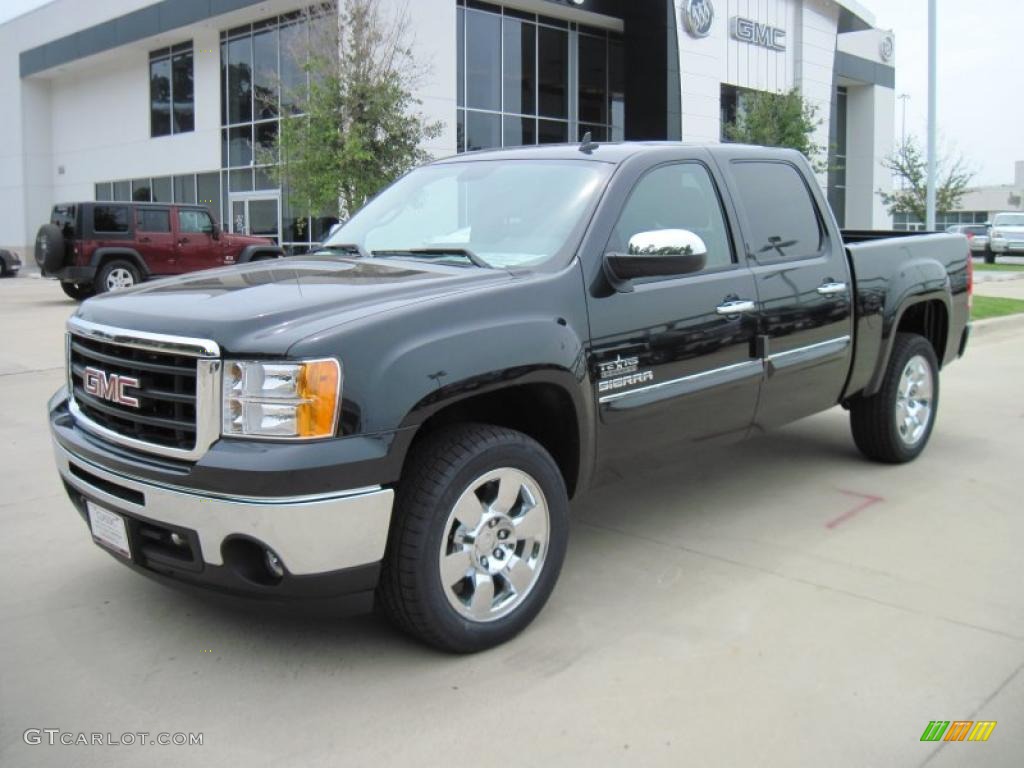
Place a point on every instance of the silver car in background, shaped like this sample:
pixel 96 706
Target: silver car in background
pixel 977 239
pixel 1007 234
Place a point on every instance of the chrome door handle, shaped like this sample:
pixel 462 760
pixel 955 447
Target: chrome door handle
pixel 738 307
pixel 832 289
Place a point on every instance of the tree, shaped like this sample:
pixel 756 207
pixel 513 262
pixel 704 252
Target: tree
pixel 357 127
pixel 778 120
pixel 908 163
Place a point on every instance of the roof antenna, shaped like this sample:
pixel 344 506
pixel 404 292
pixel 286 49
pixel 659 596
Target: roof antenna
pixel 587 144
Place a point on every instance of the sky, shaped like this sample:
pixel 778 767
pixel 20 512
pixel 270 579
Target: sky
pixel 980 76
pixel 980 72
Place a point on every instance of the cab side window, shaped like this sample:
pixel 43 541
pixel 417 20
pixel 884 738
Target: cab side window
pixel 782 220
pixel 680 196
pixel 197 222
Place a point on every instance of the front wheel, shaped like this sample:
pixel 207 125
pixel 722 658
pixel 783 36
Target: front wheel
pixel 117 275
pixel 990 257
pixel 894 425
pixel 480 532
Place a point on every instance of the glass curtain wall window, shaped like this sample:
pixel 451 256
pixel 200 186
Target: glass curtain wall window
pixel 524 78
pixel 262 76
pixel 172 106
pixel 837 159
pixel 191 188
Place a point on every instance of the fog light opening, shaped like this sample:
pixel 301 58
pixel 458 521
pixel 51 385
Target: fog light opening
pixel 178 540
pixel 253 560
pixel 274 564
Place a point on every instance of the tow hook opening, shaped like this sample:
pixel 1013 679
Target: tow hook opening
pixel 253 560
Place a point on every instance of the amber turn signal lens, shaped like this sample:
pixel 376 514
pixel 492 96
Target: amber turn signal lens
pixel 319 388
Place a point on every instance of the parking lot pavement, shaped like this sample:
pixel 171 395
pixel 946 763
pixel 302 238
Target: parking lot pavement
pixel 780 602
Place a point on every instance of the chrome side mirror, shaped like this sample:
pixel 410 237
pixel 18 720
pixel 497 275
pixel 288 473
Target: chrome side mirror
pixel 657 253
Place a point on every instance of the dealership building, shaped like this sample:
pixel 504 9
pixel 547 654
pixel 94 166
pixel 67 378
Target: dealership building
pixel 172 100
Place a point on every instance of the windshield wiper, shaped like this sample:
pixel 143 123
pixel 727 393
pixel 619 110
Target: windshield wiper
pixel 432 253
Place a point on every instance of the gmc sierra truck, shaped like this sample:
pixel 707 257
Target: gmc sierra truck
pixel 402 419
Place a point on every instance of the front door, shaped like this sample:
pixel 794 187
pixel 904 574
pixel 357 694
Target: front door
pixel 673 360
pixel 258 215
pixel 198 248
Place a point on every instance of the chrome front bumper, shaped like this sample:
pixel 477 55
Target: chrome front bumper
pixel 310 534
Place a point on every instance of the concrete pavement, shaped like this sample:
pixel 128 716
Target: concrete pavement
pixel 781 602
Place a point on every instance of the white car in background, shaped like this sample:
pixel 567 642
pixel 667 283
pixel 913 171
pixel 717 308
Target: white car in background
pixel 1007 236
pixel 977 239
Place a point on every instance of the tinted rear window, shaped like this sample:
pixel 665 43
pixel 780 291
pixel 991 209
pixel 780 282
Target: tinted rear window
pixel 154 220
pixel 975 230
pixel 781 219
pixel 111 218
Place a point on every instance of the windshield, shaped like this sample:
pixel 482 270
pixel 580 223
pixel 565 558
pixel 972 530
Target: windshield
pixel 1009 220
pixel 504 214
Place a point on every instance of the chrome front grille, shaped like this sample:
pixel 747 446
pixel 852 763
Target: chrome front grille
pixel 171 403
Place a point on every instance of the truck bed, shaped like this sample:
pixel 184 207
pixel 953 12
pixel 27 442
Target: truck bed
pixel 890 266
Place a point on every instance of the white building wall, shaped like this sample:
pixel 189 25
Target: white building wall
pixel 26 131
pixel 869 139
pixel 100 122
pixel 706 63
pixel 817 23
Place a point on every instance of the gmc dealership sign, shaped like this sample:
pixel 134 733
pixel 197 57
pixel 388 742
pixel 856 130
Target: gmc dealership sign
pixel 755 33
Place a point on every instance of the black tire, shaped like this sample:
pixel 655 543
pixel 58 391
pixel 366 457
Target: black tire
pixel 78 291
pixel 873 419
pixel 112 269
pixel 990 258
pixel 49 250
pixel 440 470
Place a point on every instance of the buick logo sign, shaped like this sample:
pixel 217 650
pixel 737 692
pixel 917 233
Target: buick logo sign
pixel 886 48
pixel 698 15
pixel 110 386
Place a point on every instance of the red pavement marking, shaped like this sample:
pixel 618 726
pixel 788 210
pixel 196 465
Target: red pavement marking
pixel 868 500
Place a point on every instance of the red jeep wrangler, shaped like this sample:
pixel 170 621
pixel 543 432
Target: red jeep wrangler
pixel 99 247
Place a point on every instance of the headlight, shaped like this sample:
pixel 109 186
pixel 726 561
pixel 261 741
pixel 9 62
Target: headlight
pixel 283 400
pixel 997 233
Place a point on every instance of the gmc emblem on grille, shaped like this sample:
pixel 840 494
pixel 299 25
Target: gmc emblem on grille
pixel 110 386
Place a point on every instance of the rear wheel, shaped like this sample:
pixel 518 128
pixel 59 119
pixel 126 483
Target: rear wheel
pixel 78 291
pixel 478 539
pixel 117 275
pixel 894 425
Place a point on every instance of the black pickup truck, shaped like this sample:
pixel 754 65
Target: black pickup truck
pixel 403 418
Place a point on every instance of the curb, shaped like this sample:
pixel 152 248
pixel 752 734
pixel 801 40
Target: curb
pixel 982 328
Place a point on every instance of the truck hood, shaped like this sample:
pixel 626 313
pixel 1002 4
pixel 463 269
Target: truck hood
pixel 266 307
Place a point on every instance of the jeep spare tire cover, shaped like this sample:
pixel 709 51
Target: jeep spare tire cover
pixel 49 248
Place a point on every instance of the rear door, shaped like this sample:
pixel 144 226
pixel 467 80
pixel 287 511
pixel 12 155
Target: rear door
pixel 155 240
pixel 667 364
pixel 804 288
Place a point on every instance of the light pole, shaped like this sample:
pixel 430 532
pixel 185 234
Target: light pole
pixel 932 99
pixel 904 97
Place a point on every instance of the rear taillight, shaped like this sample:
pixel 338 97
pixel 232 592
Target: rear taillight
pixel 970 280
pixel 970 235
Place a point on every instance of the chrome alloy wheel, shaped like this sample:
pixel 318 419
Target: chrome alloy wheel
pixel 119 278
pixel 494 546
pixel 914 401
